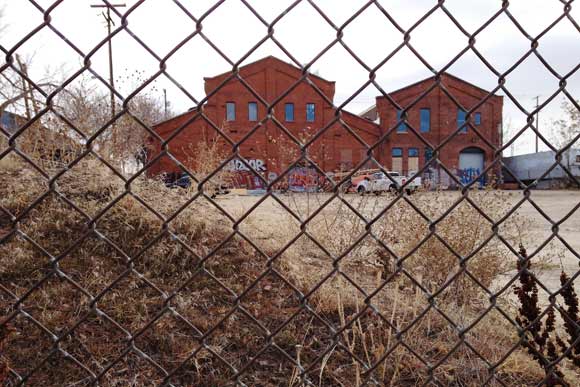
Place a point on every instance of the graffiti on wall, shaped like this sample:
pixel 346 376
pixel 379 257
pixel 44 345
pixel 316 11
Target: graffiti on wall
pixel 237 165
pixel 243 177
pixel 303 179
pixel 246 179
pixel 300 179
pixel 467 175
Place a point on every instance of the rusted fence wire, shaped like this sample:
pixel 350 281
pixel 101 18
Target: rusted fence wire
pixel 275 353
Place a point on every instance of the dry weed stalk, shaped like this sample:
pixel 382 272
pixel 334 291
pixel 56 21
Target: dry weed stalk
pixel 205 158
pixel 540 338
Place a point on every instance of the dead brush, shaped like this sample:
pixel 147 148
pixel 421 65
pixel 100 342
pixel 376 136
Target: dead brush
pixel 205 158
pixel 156 288
pixel 401 229
pixel 369 264
pixel 540 337
pixel 370 337
pixel 137 289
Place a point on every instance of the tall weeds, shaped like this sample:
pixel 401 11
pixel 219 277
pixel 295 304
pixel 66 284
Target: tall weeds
pixel 150 279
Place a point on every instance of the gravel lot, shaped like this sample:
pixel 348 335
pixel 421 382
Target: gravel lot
pixel 556 204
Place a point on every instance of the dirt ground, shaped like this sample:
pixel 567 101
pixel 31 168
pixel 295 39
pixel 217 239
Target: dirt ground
pixel 560 206
pixel 557 206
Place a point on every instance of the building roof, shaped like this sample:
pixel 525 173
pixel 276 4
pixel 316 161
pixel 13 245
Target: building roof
pixel 365 121
pixel 192 109
pixel 445 74
pixel 265 59
pixel 367 110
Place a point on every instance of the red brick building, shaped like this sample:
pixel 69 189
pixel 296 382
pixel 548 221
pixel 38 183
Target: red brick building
pixel 436 117
pixel 238 108
pixel 305 107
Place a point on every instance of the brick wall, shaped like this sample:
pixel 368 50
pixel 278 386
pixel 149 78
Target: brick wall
pixel 443 122
pixel 268 81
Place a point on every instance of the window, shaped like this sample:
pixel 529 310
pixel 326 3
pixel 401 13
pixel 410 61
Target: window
pixel 402 128
pixel 397 160
pixel 252 111
pixel 461 120
pixel 230 111
pixel 428 154
pixel 425 120
pixel 310 112
pixel 289 112
pixel 413 161
pixel 346 159
pixel 477 119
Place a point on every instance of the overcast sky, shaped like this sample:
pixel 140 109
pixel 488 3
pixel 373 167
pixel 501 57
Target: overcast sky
pixel 161 24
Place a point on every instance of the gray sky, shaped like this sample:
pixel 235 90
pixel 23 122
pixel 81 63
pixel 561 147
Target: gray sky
pixel 161 24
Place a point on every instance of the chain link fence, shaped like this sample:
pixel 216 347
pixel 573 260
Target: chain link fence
pixel 111 278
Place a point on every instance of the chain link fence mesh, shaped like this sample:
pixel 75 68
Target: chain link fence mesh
pixel 111 279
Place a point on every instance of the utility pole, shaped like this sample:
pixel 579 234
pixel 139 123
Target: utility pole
pixel 165 101
pixel 25 87
pixel 537 122
pixel 107 17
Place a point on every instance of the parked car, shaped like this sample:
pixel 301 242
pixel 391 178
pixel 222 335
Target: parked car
pixel 175 181
pixel 184 181
pixel 352 185
pixel 378 183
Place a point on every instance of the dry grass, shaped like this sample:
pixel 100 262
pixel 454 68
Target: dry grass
pixel 393 239
pixel 139 279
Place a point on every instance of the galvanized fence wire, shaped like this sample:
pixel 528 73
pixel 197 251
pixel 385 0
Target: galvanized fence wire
pixel 19 308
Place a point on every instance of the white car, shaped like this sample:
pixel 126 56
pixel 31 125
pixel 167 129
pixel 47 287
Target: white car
pixel 378 183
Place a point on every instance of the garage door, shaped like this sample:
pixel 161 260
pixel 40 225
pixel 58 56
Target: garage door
pixel 471 165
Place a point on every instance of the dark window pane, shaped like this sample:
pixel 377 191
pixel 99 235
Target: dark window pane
pixel 428 154
pixel 230 111
pixel 413 152
pixel 461 120
pixel 289 112
pixel 402 128
pixel 425 120
pixel 252 111
pixel 477 119
pixel 397 152
pixel 8 120
pixel 310 112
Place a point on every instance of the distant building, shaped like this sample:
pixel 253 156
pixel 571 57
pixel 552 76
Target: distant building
pixel 38 141
pixel 11 122
pixel 542 167
pixel 371 114
pixel 435 117
pixel 302 107
pixel 236 105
